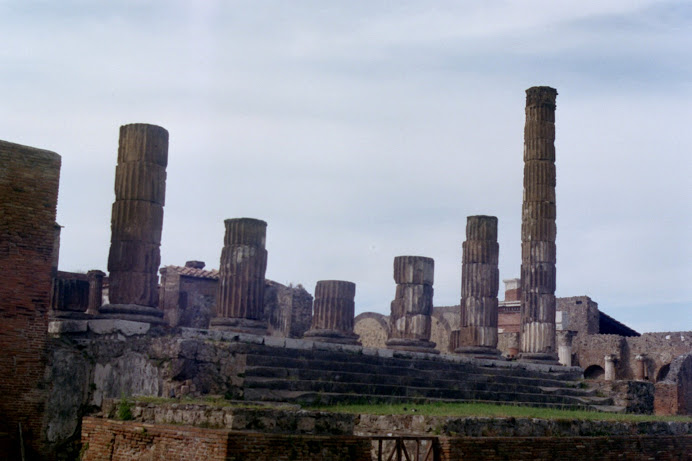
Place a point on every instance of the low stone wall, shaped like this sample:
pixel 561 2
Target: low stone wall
pixel 567 448
pixel 108 440
pixel 372 425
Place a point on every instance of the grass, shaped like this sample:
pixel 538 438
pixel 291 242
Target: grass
pixel 485 410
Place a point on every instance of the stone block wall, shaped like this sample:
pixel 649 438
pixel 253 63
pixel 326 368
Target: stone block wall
pixel 582 313
pixel 673 395
pixel 28 198
pixel 287 309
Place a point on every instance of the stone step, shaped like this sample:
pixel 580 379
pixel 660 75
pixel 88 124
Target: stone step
pixel 327 398
pixel 459 373
pixel 431 362
pixel 350 388
pixel 474 382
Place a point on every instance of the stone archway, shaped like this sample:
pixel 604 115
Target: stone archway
pixel 594 373
pixel 662 372
pixel 373 329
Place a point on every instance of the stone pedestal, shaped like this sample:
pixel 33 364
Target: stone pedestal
pixel 538 228
pixel 95 291
pixel 480 279
pixel 332 320
pixel 136 224
pixel 240 298
pixel 610 361
pixel 564 347
pixel 410 319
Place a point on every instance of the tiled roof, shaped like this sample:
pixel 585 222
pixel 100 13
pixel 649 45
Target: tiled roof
pixel 195 273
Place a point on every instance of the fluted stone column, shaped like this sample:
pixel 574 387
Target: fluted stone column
pixel 136 224
pixel 332 320
pixel 95 278
pixel 240 296
pixel 410 319
pixel 610 361
pixel 480 280
pixel 538 228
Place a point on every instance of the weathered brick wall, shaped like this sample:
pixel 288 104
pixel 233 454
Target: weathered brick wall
pixel 582 314
pixel 372 328
pixel 660 348
pixel 567 448
pixel 28 198
pixel 104 439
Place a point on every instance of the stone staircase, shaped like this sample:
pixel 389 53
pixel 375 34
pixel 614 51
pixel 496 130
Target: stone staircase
pixel 312 376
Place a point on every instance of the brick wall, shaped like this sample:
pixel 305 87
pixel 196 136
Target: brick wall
pixel 673 395
pixel 567 448
pixel 28 198
pixel 130 441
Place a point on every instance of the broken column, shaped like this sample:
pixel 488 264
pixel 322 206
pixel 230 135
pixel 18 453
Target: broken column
pixel 641 371
pixel 136 224
pixel 538 229
pixel 240 298
pixel 332 320
pixel 564 346
pixel 411 310
pixel 480 280
pixel 95 278
pixel 610 360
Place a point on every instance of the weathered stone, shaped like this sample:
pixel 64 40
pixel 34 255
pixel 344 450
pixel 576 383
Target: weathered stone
pixel 141 181
pixel 538 229
pixel 479 287
pixel 410 319
pixel 334 310
pixel 414 269
pixel 240 298
pixel 140 142
pixel 480 251
pixel 136 222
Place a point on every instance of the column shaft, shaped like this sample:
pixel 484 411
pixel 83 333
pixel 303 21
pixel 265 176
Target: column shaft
pixel 334 307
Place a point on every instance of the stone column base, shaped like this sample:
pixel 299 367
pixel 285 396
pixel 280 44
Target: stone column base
pixel 539 357
pixel 332 336
pixel 239 325
pixel 478 352
pixel 412 345
pixel 133 312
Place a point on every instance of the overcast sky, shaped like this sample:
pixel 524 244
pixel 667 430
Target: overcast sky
pixel 364 130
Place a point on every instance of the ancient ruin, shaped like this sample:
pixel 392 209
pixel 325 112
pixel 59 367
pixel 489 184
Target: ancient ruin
pixel 241 277
pixel 332 320
pixel 136 224
pixel 538 228
pixel 480 280
pixel 412 306
pixel 217 364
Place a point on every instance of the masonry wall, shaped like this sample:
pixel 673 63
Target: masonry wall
pixel 28 198
pixel 129 441
pixel 567 448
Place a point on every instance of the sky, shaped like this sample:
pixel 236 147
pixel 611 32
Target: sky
pixel 365 130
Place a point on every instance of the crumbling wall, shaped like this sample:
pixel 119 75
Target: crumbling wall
pixel 28 198
pixel 373 329
pixel 673 395
pixel 582 314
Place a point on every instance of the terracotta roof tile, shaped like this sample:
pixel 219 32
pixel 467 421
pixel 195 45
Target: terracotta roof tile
pixel 195 273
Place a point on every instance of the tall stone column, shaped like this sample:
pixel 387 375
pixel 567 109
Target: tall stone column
pixel 240 298
pixel 333 313
pixel 480 281
pixel 95 291
pixel 410 319
pixel 136 224
pixel 538 228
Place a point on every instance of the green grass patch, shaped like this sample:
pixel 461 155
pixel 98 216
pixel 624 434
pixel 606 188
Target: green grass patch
pixel 486 410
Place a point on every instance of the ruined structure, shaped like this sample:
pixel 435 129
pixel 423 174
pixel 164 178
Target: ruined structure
pixel 136 224
pixel 334 309
pixel 480 279
pixel 241 277
pixel 538 229
pixel 412 306
pixel 28 197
